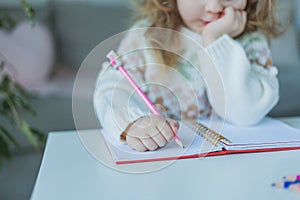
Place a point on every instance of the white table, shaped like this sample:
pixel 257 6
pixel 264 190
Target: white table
pixel 69 171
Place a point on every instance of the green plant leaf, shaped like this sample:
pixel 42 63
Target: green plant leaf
pixel 5 105
pixel 29 11
pixel 7 110
pixel 21 104
pixel 4 149
pixel 14 98
pixel 6 113
pixel 29 134
pixel 2 62
pixel 5 83
pixel 6 22
pixel 9 137
pixel 40 135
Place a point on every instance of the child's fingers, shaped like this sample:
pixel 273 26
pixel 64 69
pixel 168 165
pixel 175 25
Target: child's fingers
pixel 159 139
pixel 149 143
pixel 174 125
pixel 238 15
pixel 135 143
pixel 166 131
pixel 229 13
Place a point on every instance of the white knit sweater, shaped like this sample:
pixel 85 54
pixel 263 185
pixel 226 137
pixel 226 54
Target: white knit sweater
pixel 233 77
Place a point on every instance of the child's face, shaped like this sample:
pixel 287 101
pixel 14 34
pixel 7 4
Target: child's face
pixel 196 14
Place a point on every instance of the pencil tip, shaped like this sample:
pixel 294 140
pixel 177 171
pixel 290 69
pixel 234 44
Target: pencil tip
pixel 177 140
pixel 180 143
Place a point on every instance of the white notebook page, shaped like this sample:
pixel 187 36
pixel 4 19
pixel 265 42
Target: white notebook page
pixel 269 133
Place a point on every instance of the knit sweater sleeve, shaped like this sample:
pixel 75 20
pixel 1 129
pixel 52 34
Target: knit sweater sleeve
pixel 246 79
pixel 115 102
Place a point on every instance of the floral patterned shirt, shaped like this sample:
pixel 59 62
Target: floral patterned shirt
pixel 183 90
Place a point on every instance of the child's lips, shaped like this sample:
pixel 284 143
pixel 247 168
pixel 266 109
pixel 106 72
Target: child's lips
pixel 203 22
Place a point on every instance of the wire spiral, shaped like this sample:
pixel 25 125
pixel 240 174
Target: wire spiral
pixel 213 137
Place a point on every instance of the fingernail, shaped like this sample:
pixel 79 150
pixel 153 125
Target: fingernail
pixel 177 125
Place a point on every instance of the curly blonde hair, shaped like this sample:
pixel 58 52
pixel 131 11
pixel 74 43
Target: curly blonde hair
pixel 261 15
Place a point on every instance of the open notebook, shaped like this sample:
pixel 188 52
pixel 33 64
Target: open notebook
pixel 269 135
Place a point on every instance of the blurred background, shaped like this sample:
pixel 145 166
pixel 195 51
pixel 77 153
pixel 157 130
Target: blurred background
pixel 46 59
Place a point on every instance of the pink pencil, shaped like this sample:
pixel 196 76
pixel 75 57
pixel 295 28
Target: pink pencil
pixel 118 66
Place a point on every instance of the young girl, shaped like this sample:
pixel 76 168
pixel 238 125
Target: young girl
pixel 233 33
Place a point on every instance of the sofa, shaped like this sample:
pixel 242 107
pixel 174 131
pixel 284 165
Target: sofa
pixel 75 28
pixel 285 54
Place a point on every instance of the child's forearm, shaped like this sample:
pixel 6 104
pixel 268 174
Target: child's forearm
pixel 115 105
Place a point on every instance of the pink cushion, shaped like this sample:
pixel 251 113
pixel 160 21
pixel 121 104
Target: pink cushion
pixel 28 52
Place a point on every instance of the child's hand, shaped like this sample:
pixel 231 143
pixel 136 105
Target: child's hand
pixel 151 132
pixel 232 22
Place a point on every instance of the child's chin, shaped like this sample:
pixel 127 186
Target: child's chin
pixel 198 29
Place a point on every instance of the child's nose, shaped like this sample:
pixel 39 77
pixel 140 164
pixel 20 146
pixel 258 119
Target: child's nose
pixel 214 6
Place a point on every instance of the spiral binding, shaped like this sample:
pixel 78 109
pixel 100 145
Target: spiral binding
pixel 213 137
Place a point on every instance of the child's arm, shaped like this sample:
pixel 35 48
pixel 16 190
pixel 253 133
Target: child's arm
pixel 251 89
pixel 121 111
pixel 114 105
